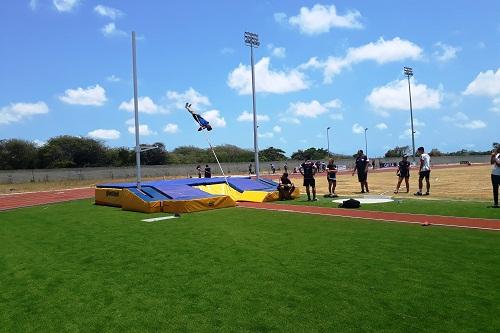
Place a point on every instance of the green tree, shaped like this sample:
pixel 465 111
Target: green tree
pixel 18 154
pixel 272 154
pixel 310 154
pixel 398 151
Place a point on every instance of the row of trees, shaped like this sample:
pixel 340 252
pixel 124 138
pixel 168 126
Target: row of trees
pixel 400 151
pixel 77 152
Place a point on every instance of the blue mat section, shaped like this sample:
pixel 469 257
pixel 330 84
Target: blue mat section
pixel 182 189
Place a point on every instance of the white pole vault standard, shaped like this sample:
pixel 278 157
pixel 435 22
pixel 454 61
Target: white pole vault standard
pixel 215 155
pixel 136 116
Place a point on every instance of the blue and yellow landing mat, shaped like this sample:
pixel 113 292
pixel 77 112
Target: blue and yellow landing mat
pixel 186 195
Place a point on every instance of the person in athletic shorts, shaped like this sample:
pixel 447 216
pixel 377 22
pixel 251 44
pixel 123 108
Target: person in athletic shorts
pixel 331 177
pixel 424 171
pixel 403 173
pixel 495 175
pixel 308 170
pixel 361 165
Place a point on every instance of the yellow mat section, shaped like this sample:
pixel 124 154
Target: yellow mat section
pixel 108 197
pixel 196 205
pixel 220 189
pixel 132 202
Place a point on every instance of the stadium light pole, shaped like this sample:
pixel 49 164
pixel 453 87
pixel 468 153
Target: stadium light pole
pixel 328 141
pixel 408 71
pixel 136 116
pixel 366 143
pixel 252 40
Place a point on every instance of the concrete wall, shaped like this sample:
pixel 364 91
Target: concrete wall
pixel 48 175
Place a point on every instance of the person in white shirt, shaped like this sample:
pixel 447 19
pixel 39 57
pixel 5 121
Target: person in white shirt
pixel 495 175
pixel 424 172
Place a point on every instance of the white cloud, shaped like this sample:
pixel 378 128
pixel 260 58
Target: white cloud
pixel 266 80
pixel 191 96
pixel 105 134
pixel 381 126
pixel 313 108
pixel 277 129
pixel 143 130
pixel 16 112
pixel 171 128
pixel 337 116
pixel 461 120
pixel 248 116
pixel 266 135
pixel 130 121
pixel 485 84
pixel 92 95
pixel 214 118
pixel 65 5
pixel 289 120
pixel 278 52
pixel 382 51
pixel 320 19
pixel 39 143
pixel 358 129
pixel 145 104
pixel 394 96
pixel 113 78
pixel 110 30
pixel 227 50
pixel 446 52
pixel 110 12
pixel 33 4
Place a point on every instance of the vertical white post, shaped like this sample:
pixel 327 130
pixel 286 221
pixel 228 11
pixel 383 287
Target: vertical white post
pixel 136 115
pixel 255 137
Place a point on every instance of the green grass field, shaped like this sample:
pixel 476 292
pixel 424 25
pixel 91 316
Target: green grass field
pixel 78 267
pixel 415 206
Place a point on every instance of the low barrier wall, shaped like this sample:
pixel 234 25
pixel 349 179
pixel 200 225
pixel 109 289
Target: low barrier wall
pixel 186 170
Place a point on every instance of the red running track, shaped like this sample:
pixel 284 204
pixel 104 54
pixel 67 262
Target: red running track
pixel 18 200
pixel 27 199
pixel 448 221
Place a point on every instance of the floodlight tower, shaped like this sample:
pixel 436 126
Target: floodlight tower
pixel 252 40
pixel 408 71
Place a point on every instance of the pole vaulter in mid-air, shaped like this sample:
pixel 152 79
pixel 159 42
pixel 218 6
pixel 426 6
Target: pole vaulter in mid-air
pixel 204 124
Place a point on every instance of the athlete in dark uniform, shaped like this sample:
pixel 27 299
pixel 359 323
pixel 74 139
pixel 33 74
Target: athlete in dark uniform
pixel 361 166
pixel 308 169
pixel 331 177
pixel 403 173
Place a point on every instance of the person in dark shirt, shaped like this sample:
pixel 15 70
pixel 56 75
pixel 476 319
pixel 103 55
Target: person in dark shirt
pixel 208 172
pixel 198 169
pixel 361 166
pixel 250 169
pixel 308 170
pixel 285 187
pixel 331 177
pixel 403 173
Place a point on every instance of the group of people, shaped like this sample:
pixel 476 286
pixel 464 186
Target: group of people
pixel 207 172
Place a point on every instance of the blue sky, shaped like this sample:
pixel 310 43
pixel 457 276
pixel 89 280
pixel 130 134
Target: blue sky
pixel 66 69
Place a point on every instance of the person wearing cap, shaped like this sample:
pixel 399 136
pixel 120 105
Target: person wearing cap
pixel 361 165
pixel 308 170
pixel 403 173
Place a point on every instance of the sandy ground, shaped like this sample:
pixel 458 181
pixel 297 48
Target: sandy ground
pixel 464 183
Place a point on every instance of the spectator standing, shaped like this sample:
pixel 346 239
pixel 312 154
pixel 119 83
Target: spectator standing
pixel 361 165
pixel 308 170
pixel 495 175
pixel 198 169
pixel 403 173
pixel 285 168
pixel 331 177
pixel 424 171
pixel 208 172
pixel 250 169
pixel 273 168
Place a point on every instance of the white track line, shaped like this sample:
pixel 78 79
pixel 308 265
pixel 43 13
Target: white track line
pixel 370 219
pixel 49 191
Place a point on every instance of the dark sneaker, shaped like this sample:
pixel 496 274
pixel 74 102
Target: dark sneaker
pixel 426 193
pixel 418 194
pixel 314 199
pixel 199 129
